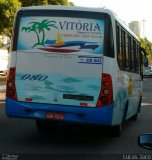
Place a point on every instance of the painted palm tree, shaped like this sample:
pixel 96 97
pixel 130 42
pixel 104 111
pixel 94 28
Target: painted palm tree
pixel 32 28
pixel 40 27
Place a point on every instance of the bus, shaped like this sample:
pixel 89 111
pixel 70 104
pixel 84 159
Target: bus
pixel 73 64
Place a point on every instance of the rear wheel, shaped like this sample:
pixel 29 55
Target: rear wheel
pixel 134 118
pixel 45 125
pixel 116 130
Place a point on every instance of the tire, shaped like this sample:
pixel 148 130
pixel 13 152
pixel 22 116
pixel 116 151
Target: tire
pixel 44 125
pixel 125 113
pixel 116 130
pixel 134 118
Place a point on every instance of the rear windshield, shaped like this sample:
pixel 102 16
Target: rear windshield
pixel 55 31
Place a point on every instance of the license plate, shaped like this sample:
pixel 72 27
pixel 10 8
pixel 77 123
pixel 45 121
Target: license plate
pixel 56 116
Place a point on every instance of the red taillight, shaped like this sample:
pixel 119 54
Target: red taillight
pixel 11 88
pixel 106 92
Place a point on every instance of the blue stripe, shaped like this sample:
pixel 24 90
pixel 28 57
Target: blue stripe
pixel 101 116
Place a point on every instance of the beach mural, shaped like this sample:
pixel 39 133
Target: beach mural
pixel 57 34
pixel 62 60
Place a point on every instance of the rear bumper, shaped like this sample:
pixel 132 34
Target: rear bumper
pixel 101 116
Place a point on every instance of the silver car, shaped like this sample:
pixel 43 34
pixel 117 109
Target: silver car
pixel 147 71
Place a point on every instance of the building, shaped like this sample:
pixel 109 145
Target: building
pixel 138 27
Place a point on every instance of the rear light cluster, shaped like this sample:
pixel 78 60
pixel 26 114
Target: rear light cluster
pixel 11 88
pixel 106 92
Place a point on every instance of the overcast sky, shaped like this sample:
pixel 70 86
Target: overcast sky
pixel 127 10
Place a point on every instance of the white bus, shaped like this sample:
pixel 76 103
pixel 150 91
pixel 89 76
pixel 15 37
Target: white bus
pixel 73 64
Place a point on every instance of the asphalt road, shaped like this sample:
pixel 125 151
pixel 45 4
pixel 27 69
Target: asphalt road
pixel 20 138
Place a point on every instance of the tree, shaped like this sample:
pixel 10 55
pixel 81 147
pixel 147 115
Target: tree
pixel 147 45
pixel 60 2
pixel 8 9
pixel 26 3
pixel 45 2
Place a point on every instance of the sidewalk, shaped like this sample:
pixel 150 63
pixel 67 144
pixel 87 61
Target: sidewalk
pixel 2 95
pixel 2 89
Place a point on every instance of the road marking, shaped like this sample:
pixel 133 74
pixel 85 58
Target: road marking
pixel 146 104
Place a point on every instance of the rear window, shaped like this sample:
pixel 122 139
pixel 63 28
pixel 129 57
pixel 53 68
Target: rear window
pixel 56 33
pixel 67 31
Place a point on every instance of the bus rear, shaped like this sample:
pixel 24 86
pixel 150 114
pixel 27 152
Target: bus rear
pixel 56 64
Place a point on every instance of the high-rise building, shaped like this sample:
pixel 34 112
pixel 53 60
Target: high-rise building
pixel 135 26
pixel 138 27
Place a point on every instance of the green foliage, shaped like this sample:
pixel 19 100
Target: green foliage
pixel 8 9
pixel 147 45
pixel 45 2
pixel 60 2
pixel 26 3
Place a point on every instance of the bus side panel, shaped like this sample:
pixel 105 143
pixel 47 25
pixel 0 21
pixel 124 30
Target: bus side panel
pixel 133 107
pixel 125 109
pixel 128 97
pixel 134 94
pixel 119 92
pixel 99 116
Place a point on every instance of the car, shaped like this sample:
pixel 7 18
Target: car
pixel 4 59
pixel 145 140
pixel 147 72
pixel 150 67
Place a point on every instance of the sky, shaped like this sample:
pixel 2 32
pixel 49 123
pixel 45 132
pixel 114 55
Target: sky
pixel 127 10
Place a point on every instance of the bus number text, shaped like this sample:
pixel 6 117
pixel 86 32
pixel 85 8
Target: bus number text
pixel 36 77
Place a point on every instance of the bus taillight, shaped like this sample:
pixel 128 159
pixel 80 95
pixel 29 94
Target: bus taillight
pixel 11 88
pixel 106 92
